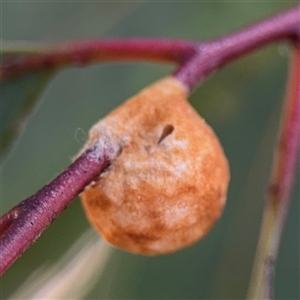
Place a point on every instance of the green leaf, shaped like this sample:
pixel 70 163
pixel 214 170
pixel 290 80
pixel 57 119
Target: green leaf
pixel 19 96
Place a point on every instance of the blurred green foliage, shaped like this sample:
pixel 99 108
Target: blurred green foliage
pixel 242 103
pixel 18 99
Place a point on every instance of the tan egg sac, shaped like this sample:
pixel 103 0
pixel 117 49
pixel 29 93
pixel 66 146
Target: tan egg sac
pixel 168 186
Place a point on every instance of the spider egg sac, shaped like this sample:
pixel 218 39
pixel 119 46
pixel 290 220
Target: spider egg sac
pixel 168 185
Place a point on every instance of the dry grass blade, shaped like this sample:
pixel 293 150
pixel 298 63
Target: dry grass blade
pixel 73 276
pixel 280 189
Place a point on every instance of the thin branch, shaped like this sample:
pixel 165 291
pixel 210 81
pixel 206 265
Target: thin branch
pixel 82 53
pixel 280 189
pixel 201 58
pixel 213 55
pixel 23 224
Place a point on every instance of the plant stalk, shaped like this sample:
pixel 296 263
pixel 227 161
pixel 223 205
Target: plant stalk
pixel 23 224
pixel 280 189
pixel 213 55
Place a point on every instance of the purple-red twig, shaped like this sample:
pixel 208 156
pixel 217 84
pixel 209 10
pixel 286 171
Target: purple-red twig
pixel 215 54
pixel 196 60
pixel 24 223
pixel 81 53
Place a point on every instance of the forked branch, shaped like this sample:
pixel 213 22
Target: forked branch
pixel 22 225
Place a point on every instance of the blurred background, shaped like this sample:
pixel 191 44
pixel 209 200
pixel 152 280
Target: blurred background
pixel 242 103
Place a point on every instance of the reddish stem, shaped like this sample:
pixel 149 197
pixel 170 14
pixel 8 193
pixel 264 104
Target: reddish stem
pixel 215 54
pixel 201 58
pixel 23 224
pixel 286 153
pixel 280 188
pixel 87 52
